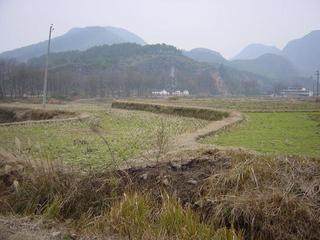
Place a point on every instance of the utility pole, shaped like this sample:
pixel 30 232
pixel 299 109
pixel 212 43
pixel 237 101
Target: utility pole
pixel 317 74
pixel 311 78
pixel 45 83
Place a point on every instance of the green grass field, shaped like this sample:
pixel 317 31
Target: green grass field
pixel 295 133
pixel 129 133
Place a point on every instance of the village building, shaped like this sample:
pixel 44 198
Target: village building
pixel 296 91
pixel 167 93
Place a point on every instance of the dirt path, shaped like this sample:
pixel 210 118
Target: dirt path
pixel 186 145
pixel 26 228
pixel 36 228
pixel 191 140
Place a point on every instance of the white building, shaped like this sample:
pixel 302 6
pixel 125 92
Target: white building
pixel 180 93
pixel 161 93
pixel 296 91
pixel 175 93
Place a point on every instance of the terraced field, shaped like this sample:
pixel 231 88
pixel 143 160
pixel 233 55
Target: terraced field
pixel 276 126
pixel 110 136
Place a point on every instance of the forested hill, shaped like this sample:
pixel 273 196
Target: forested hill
pixel 130 69
pixel 125 70
pixel 109 55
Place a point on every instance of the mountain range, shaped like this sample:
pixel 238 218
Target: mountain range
pixel 303 53
pixel 267 65
pixel 128 69
pixel 299 58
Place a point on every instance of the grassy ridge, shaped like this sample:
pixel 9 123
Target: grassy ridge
pixel 201 113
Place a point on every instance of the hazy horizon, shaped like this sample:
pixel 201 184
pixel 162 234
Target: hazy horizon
pixel 226 27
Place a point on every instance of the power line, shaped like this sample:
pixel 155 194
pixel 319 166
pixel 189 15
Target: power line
pixel 45 83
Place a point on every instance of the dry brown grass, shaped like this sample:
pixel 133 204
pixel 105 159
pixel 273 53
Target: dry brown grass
pixel 261 196
pixel 272 198
pixel 45 184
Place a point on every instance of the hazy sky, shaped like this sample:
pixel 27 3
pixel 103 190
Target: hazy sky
pixel 222 25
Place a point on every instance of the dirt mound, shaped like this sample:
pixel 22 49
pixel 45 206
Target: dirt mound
pixel 9 115
pixel 183 178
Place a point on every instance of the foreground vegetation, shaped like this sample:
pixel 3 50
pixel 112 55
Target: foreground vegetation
pixel 257 197
pixel 284 133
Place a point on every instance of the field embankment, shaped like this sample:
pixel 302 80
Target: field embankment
pixel 243 104
pixel 12 114
pixel 195 112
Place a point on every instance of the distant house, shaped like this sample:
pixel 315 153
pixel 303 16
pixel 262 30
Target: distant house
pixel 166 93
pixel 161 93
pixel 296 91
pixel 186 93
pixel 181 93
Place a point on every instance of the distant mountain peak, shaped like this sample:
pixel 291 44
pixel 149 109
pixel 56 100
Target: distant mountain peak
pixel 255 50
pixel 76 39
pixel 270 65
pixel 205 55
pixel 304 52
pixel 207 50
